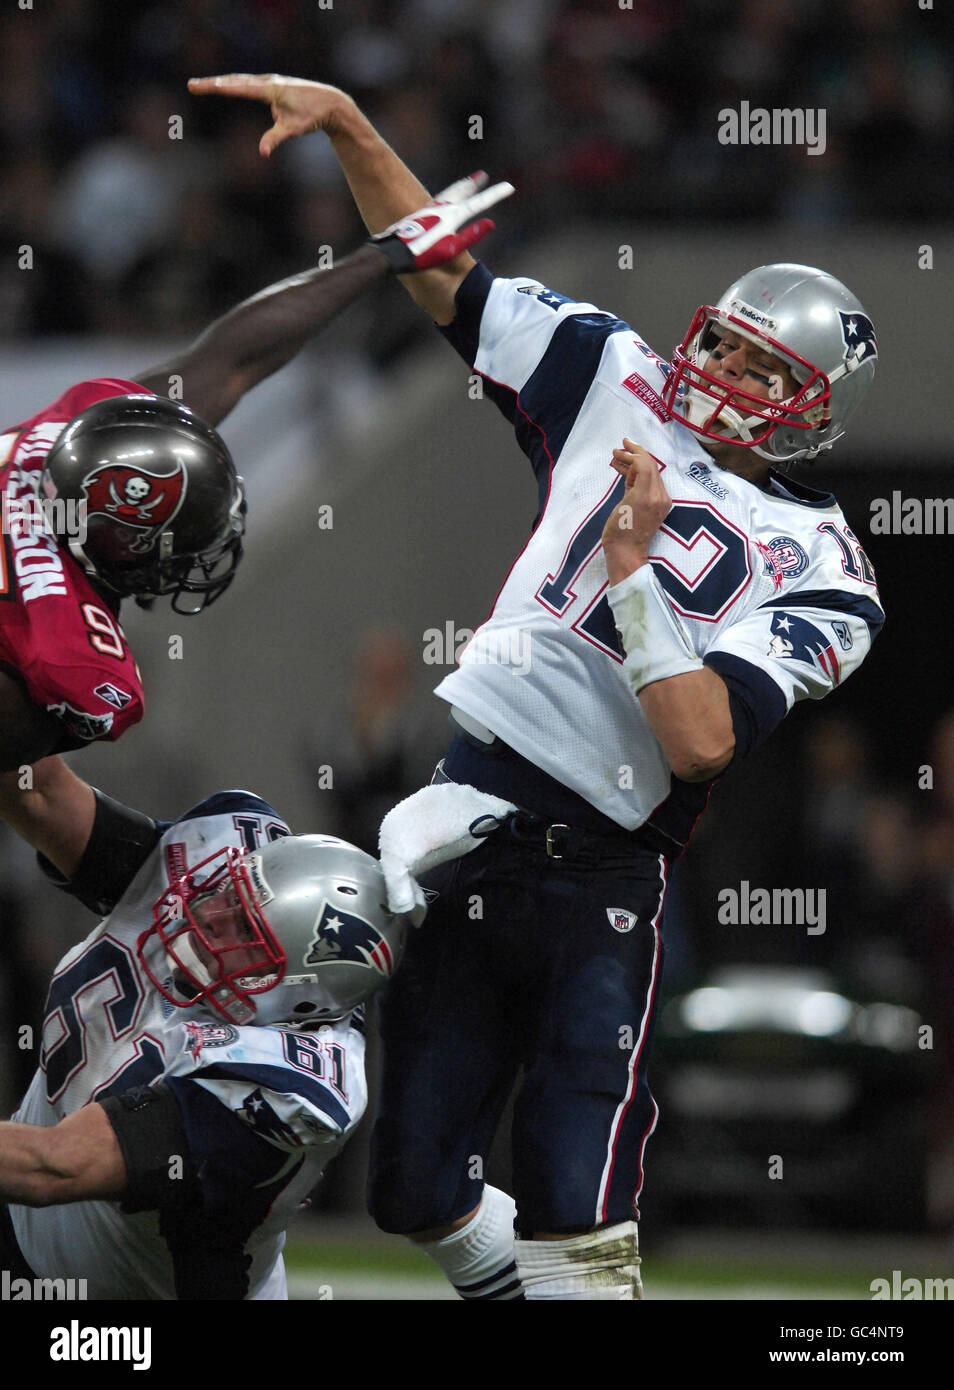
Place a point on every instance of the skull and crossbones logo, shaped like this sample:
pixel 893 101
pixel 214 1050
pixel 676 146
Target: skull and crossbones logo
pixel 135 492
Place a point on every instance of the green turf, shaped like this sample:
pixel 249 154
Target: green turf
pixel 326 1258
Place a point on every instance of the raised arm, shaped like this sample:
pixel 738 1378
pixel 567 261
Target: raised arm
pixel 260 335
pixel 685 702
pixel 384 188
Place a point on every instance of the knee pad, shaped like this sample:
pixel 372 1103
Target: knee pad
pixel 602 1264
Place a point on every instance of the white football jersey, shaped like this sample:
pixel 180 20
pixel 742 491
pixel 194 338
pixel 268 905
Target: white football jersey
pixel 770 583
pixel 264 1109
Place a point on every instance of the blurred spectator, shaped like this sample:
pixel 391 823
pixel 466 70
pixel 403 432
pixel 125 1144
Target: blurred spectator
pixel 592 109
pixel 383 749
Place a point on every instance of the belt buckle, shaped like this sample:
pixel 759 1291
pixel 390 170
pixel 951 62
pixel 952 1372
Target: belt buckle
pixel 551 851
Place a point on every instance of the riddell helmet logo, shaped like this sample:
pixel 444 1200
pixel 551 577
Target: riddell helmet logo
pixel 764 322
pixel 133 496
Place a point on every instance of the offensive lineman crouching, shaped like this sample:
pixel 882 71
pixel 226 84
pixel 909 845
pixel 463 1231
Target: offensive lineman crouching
pixel 203 1054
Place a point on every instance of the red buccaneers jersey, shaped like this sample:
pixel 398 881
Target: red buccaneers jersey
pixel 58 636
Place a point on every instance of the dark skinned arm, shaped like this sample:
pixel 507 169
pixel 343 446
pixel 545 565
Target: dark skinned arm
pixel 260 335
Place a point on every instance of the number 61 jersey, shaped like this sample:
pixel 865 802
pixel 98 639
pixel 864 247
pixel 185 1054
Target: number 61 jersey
pixel 263 1108
pixel 772 586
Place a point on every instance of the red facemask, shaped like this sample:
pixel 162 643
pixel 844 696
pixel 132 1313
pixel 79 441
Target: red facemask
pixel 216 938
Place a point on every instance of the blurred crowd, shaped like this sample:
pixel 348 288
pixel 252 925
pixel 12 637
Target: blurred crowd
pixel 593 108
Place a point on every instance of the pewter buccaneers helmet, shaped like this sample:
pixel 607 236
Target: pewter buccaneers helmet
pixel 822 334
pixel 164 509
pixel 297 932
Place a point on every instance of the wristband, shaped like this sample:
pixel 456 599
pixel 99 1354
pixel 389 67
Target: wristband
pixel 657 645
pixel 395 251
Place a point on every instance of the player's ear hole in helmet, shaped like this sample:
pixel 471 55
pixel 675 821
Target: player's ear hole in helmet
pixel 162 506
pixel 816 329
pixel 296 933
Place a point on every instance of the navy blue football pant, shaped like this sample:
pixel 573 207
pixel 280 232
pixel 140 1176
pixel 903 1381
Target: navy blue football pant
pixel 523 961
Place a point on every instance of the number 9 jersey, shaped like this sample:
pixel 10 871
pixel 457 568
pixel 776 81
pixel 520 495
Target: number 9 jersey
pixel 770 584
pixel 59 637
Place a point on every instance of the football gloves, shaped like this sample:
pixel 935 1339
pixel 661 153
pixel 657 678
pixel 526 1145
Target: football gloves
pixel 440 231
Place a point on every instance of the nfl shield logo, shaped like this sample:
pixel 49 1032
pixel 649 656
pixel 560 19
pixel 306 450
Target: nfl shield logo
pixel 620 919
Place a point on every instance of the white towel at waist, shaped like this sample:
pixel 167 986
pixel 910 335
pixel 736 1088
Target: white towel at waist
pixel 427 829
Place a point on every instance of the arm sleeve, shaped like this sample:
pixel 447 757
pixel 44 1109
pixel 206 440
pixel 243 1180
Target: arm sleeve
pixel 210 1178
pixel 120 842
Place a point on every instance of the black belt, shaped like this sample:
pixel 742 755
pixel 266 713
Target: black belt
pixel 572 843
pixel 569 842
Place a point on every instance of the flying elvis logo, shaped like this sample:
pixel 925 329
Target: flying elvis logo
pixel 859 335
pixel 343 936
pixel 796 639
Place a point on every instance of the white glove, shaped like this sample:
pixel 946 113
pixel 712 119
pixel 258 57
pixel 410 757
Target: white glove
pixel 437 823
pixel 439 232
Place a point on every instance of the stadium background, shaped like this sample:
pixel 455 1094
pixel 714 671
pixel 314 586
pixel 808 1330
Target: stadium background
pixel 385 501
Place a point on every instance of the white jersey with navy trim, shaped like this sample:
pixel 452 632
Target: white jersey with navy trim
pixel 770 583
pixel 263 1109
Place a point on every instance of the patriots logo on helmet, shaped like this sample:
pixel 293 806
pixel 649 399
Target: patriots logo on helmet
pixel 798 640
pixel 859 335
pixel 344 936
pixel 131 495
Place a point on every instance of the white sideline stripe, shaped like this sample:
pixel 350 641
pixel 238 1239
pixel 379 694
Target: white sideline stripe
pixel 633 1059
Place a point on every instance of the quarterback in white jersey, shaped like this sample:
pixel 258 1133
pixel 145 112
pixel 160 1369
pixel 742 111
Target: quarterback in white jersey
pixel 676 598
pixel 768 583
pixel 202 1057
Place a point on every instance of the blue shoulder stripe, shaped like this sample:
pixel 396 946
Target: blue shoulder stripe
pixel 285 1080
pixel 222 802
pixel 837 600
pixel 553 397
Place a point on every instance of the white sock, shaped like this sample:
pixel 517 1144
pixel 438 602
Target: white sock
pixel 479 1258
pixel 600 1264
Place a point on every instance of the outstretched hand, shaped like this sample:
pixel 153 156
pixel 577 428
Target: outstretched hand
pixel 298 106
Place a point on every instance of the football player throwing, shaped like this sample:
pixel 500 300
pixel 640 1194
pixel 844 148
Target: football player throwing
pixel 679 594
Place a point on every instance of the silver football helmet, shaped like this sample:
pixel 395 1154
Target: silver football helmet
pixel 297 932
pixel 819 330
